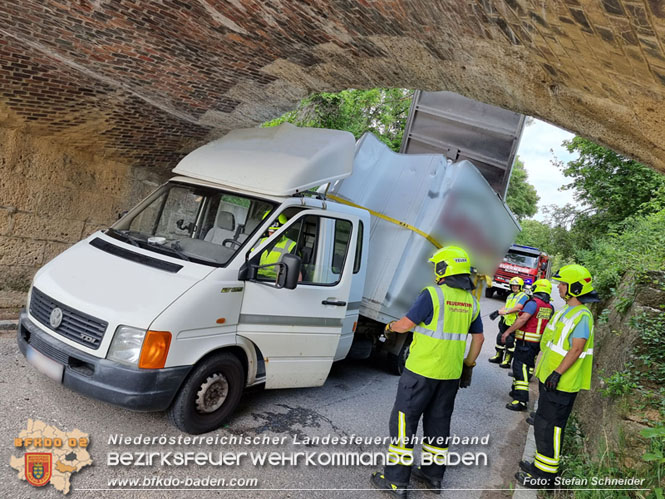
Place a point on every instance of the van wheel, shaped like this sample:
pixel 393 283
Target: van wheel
pixel 396 362
pixel 489 292
pixel 210 394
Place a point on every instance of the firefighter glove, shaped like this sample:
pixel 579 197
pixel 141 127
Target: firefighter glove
pixel 494 315
pixel 552 381
pixel 389 333
pixel 465 379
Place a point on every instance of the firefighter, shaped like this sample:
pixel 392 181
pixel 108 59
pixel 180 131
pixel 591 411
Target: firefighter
pixel 564 369
pixel 442 318
pixel 528 329
pixel 514 303
pixel 283 246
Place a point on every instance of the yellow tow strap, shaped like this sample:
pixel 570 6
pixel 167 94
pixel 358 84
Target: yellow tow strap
pixel 389 219
pixel 478 279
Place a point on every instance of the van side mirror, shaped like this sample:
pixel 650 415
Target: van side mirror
pixel 247 272
pixel 289 271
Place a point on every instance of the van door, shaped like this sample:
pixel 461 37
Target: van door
pixel 298 330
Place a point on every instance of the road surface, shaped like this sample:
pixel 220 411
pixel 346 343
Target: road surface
pixel 355 401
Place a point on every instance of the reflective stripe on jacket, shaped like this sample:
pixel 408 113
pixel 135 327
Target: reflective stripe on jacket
pixel 283 247
pixel 534 327
pixel 438 348
pixel 556 343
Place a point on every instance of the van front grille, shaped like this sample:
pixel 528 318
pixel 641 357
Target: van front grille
pixel 76 326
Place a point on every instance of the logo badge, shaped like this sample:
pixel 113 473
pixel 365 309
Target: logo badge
pixel 38 468
pixel 56 318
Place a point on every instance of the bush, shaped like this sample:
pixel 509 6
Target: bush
pixel 640 247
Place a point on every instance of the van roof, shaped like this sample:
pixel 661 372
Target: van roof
pixel 277 161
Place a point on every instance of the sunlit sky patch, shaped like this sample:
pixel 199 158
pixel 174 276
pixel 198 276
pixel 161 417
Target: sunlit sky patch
pixel 539 147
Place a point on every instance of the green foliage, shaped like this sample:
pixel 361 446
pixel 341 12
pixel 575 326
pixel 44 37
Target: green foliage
pixel 579 462
pixel 382 111
pixel 618 224
pixel 656 453
pixel 536 234
pixel 522 197
pixel 639 247
pixel 651 356
pixel 603 317
pixel 620 383
pixel 613 186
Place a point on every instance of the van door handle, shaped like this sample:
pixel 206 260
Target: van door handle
pixel 336 303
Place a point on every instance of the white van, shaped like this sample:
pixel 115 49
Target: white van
pixel 172 309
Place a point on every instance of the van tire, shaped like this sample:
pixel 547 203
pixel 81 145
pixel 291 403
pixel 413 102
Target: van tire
pixel 218 379
pixel 396 362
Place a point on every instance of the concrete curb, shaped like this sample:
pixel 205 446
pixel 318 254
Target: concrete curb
pixel 528 455
pixel 529 451
pixel 7 326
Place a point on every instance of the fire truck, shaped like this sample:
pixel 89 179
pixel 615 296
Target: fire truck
pixel 526 262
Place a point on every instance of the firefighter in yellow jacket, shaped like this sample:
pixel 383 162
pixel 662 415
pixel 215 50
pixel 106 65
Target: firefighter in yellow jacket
pixel 273 255
pixel 514 304
pixel 528 330
pixel 442 319
pixel 564 369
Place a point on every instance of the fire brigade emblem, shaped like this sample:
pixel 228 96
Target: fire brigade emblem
pixel 38 468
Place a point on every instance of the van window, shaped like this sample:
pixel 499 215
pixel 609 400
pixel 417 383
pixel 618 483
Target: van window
pixel 359 249
pixel 194 223
pixel 322 243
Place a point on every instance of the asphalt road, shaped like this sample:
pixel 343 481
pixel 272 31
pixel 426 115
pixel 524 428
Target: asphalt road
pixel 355 400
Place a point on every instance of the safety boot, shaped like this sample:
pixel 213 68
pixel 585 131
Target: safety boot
pixel 432 486
pixel 506 360
pixel 516 405
pixel 498 357
pixel 379 481
pixel 529 476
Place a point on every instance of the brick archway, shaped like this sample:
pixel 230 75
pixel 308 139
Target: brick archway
pixel 100 98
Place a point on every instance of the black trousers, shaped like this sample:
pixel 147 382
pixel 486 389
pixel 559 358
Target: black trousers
pixel 510 341
pixel 432 399
pixel 549 425
pixel 524 360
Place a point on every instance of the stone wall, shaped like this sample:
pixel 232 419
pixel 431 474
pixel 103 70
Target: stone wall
pixel 51 198
pixel 612 422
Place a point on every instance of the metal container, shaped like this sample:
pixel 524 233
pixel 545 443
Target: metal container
pixel 452 203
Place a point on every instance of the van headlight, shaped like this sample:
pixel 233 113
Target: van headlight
pixel 126 345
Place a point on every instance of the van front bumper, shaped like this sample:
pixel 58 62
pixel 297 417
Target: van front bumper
pixel 102 379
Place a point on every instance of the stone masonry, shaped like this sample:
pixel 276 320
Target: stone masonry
pixel 98 97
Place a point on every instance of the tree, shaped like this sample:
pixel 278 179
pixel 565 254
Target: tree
pixel 382 111
pixel 522 197
pixel 608 186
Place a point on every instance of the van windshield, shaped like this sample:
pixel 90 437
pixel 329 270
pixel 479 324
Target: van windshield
pixel 522 259
pixel 194 223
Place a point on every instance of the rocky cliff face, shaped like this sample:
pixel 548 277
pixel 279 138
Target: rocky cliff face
pixel 627 394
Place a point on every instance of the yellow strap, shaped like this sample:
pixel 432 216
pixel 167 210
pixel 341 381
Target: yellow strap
pixel 389 219
pixel 478 284
pixel 478 281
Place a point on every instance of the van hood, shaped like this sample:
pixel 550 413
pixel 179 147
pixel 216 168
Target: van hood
pixel 116 282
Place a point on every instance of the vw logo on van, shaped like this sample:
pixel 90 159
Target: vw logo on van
pixel 56 318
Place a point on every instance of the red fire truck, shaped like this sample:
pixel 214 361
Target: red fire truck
pixel 526 262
